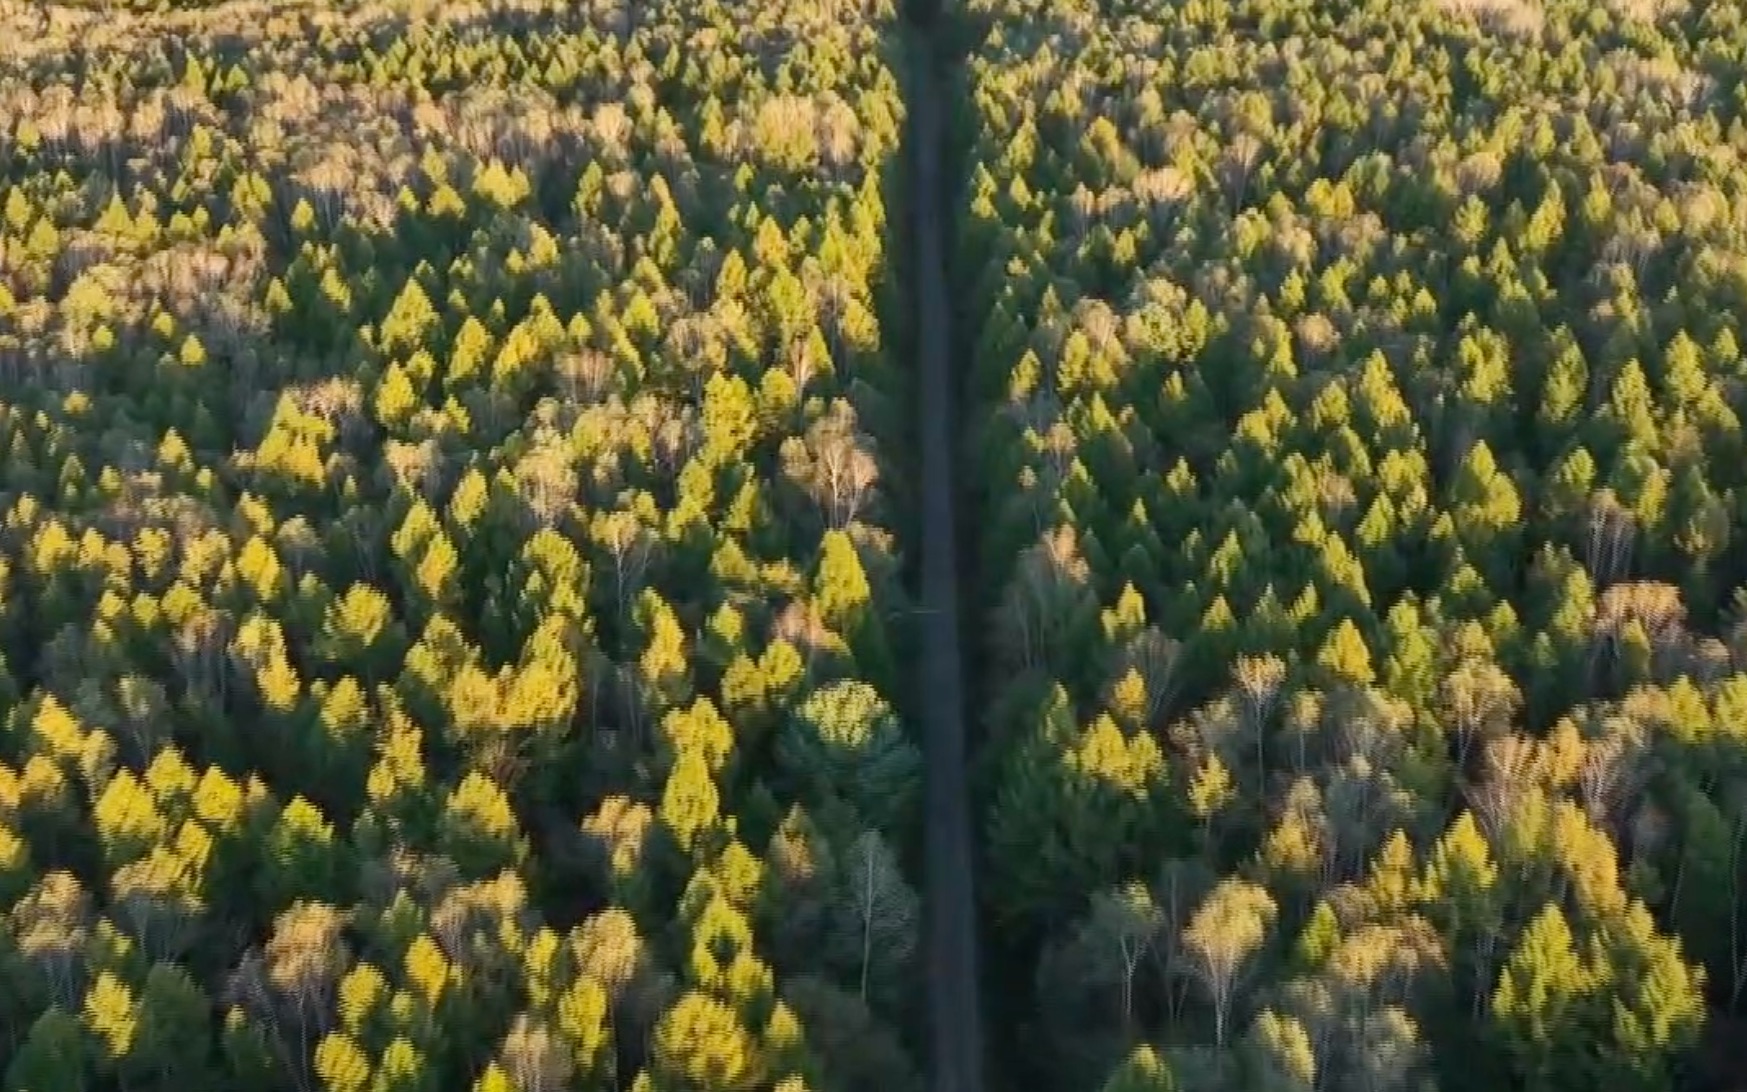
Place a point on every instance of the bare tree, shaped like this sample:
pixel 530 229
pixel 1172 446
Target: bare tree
pixel 1162 191
pixel 290 984
pixel 1650 608
pixel 1238 161
pixel 1225 932
pixel 199 654
pixel 546 479
pixel 1181 886
pixel 878 913
pixel 583 375
pixel 1478 701
pixel 52 924
pixel 609 950
pixel 1613 769
pixel 1735 808
pixel 1126 923
pixel 1049 588
pixel 1257 680
pixel 144 710
pixel 1612 529
pixel 615 834
pixel 1511 768
pixel 629 547
pixel 1152 657
pixel 154 904
pixel 535 1059
pixel 834 465
pixel 1517 18
pixel 470 923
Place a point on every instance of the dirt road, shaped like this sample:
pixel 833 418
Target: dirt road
pixel 955 1018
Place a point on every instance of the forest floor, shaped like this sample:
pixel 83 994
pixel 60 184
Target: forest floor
pixel 955 1019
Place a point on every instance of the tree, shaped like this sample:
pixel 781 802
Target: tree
pixel 844 598
pixel 402 1068
pixel 341 1064
pixel 494 1079
pixel 840 586
pixel 54 1055
pixel 1345 657
pixel 300 858
pixel 535 1059
pixel 1544 1009
pixel 359 630
pixel 583 1024
pixel 729 419
pixel 111 1017
pixel 1144 1071
pixel 844 743
pixel 1225 932
pixel 172 1039
pixel 701 729
pixel 833 466
pixel 796 896
pixel 410 320
pixel 690 804
pixel 478 828
pixel 1658 1004
pixel 878 917
pixel 1279 1056
pixel 701 1043
pixel 1458 890
pixel 1318 941
pixel 1068 816
pixel 856 1050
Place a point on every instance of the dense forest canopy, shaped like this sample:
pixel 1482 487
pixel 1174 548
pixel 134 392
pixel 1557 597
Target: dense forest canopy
pixel 445 557
pixel 458 536
pixel 1359 394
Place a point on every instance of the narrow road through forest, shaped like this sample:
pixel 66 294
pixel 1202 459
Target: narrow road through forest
pixel 955 1014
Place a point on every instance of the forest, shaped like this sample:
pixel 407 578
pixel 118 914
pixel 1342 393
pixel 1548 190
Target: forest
pixel 446 558
pixel 1358 399
pixel 467 501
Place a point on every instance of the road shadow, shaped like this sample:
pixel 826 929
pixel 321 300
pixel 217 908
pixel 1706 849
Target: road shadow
pixel 939 707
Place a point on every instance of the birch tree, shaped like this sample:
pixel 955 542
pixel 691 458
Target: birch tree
pixel 1221 939
pixel 877 919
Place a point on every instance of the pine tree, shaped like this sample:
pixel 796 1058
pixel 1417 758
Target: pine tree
pixel 1545 1010
pixel 1143 1071
pixel 1345 657
pixel 55 1055
pixel 690 804
pixel 843 742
